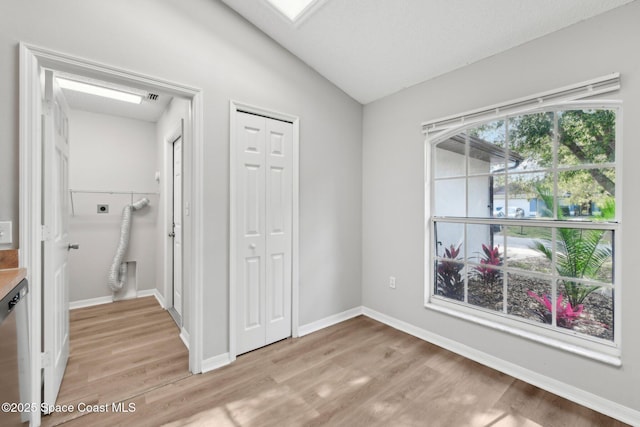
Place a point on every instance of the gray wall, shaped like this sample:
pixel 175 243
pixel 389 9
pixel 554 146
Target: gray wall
pixel 109 153
pixel 202 43
pixel 393 190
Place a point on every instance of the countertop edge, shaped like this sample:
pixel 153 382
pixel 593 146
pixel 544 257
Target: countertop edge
pixel 10 278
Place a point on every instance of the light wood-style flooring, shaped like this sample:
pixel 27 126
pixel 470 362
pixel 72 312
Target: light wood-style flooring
pixel 357 373
pixel 118 351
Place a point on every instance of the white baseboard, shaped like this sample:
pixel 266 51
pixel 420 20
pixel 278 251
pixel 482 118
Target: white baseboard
pixel 216 362
pixel 328 321
pixel 597 403
pixel 152 292
pixel 184 336
pixel 109 299
pixel 224 359
pixel 90 302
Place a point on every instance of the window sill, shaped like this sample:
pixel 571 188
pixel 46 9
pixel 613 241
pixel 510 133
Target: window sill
pixel 609 359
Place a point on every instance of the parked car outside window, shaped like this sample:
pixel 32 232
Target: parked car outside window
pixel 513 212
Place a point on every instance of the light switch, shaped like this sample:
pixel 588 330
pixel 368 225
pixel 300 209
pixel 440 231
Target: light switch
pixel 5 232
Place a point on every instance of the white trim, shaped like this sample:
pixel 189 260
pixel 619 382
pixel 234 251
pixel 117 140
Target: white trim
pixel 31 201
pixel 31 59
pixel 90 302
pixel 586 346
pixel 593 87
pixel 295 226
pixel 329 321
pixel 216 362
pixel 156 293
pixel 235 106
pixel 152 292
pixel 535 333
pixel 589 400
pixel 195 263
pixel 184 336
pixel 233 159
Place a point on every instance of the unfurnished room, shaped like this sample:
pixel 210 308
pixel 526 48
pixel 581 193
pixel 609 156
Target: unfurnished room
pixel 319 213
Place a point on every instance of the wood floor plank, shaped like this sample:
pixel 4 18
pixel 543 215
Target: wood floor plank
pixel 118 351
pixel 356 373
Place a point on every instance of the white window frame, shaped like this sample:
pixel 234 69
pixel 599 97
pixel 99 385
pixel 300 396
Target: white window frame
pixel 608 352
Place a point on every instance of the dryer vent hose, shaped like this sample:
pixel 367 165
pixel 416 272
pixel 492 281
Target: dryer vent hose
pixel 118 270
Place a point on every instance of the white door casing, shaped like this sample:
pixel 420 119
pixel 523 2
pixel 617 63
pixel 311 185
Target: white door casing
pixel 177 226
pixel 264 187
pixel 32 59
pixel 56 237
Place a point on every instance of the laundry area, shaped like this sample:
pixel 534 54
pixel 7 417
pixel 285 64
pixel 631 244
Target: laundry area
pixel 117 212
pixel 104 182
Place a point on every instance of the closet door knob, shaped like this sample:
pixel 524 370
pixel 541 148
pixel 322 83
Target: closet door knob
pixel 73 246
pixel 252 246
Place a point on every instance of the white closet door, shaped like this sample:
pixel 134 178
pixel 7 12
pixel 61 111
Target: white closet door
pixel 278 223
pixel 263 231
pixel 250 244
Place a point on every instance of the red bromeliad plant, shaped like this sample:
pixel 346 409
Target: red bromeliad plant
pixel 566 315
pixel 486 271
pixel 450 282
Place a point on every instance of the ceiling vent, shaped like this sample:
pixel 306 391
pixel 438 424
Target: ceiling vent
pixel 152 96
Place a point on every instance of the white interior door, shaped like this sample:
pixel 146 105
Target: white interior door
pixel 263 230
pixel 279 191
pixel 177 226
pixel 55 279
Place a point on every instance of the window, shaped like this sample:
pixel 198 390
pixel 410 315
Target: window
pixel 523 227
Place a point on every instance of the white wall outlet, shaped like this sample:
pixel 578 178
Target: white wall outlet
pixel 5 232
pixel 392 282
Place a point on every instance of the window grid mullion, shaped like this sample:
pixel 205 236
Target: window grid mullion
pixel 553 276
pixel 505 275
pixel 554 231
pixel 466 207
pixel 554 154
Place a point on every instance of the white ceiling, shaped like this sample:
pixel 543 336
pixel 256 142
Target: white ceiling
pixel 148 111
pixel 373 48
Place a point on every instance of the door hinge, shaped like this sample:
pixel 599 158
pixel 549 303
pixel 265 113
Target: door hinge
pixel 45 359
pixel 45 233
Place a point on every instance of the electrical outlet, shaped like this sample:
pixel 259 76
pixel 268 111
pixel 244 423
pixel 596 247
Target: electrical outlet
pixel 392 282
pixel 5 232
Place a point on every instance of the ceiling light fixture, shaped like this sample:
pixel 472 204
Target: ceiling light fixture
pixel 99 91
pixel 292 9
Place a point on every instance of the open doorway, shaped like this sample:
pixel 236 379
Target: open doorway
pixel 34 178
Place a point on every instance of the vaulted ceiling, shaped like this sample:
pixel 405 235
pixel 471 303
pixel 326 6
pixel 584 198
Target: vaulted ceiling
pixel 373 48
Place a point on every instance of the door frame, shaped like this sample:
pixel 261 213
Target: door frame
pixel 235 107
pixel 167 186
pixel 32 59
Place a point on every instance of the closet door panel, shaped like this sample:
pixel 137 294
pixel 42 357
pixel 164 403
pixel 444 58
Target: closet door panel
pixel 250 233
pixel 264 185
pixel 279 163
